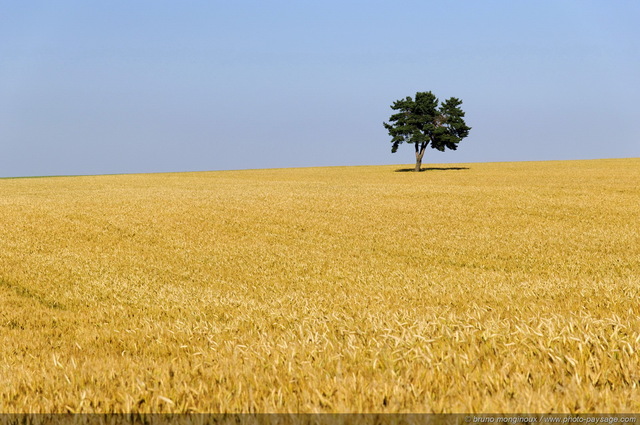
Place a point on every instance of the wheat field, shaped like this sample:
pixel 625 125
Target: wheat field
pixel 496 287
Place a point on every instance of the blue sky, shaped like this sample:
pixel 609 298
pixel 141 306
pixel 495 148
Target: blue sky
pixel 97 87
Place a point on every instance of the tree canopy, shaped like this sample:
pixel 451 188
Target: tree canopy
pixel 425 121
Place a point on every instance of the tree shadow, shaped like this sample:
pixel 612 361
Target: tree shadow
pixel 404 170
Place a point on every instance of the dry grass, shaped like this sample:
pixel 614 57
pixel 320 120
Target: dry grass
pixel 509 287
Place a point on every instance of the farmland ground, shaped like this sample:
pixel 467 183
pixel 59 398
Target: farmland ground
pixel 505 287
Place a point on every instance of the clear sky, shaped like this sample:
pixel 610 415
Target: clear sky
pixel 133 86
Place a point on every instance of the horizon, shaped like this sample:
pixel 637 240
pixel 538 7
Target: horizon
pixel 425 167
pixel 156 87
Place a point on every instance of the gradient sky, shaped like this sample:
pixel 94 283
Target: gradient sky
pixel 133 86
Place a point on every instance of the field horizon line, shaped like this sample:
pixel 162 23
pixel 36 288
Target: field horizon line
pixel 406 168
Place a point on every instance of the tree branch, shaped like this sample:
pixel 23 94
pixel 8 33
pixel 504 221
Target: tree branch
pixel 423 147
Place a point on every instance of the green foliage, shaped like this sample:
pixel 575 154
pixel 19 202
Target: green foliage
pixel 423 121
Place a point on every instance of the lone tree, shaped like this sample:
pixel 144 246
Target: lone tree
pixel 422 121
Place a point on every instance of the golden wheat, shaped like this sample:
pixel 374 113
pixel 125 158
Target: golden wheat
pixel 507 287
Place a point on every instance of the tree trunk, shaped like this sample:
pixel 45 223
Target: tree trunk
pixel 419 155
